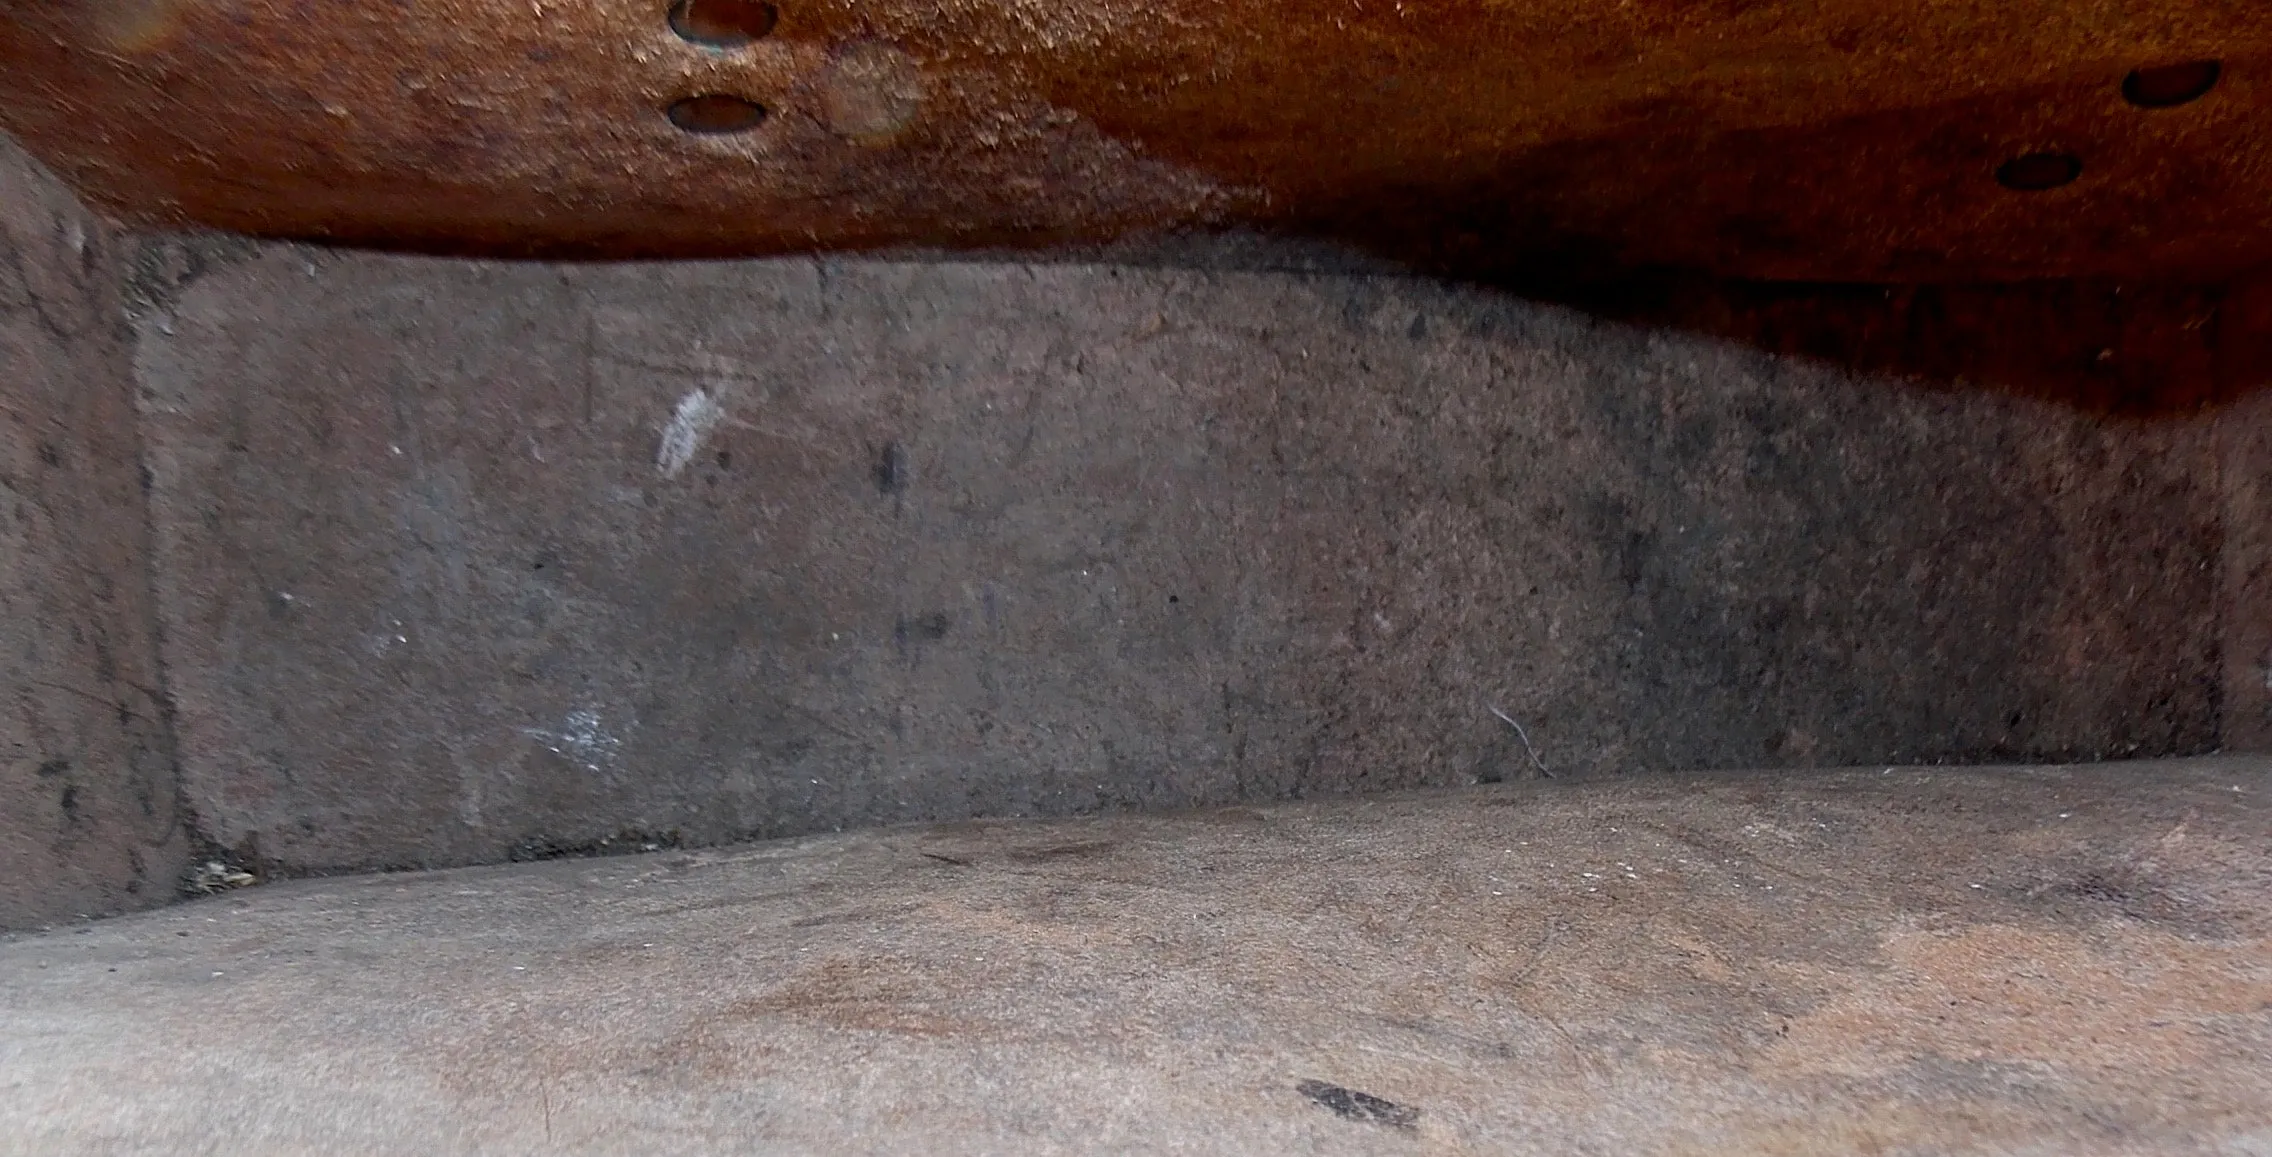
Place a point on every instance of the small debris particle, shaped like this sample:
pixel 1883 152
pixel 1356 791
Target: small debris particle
pixel 215 876
pixel 1352 1105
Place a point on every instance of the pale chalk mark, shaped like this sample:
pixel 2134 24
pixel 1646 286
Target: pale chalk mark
pixel 698 413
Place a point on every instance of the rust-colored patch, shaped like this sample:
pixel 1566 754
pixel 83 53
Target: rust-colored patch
pixel 2021 994
pixel 866 994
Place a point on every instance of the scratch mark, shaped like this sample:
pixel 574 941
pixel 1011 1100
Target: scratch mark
pixel 582 738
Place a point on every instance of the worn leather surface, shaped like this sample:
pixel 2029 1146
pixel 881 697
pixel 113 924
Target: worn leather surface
pixel 2069 961
pixel 88 797
pixel 1854 140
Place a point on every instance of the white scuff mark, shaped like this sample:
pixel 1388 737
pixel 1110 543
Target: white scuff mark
pixel 582 737
pixel 387 637
pixel 1523 735
pixel 697 414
